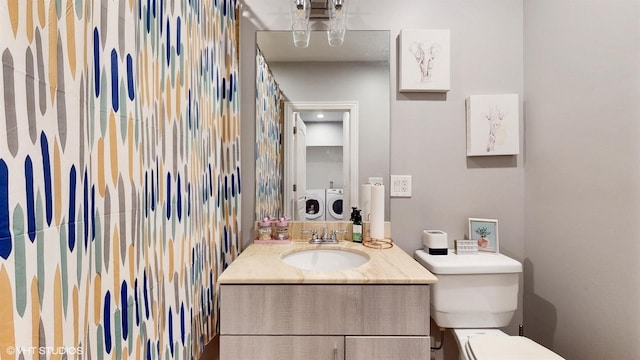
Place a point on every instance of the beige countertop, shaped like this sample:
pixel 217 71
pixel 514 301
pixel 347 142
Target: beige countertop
pixel 261 264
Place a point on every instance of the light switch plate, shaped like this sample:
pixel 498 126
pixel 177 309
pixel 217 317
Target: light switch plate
pixel 400 186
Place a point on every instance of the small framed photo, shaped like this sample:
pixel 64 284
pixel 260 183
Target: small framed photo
pixel 485 232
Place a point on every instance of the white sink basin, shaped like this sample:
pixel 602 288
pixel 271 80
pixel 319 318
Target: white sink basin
pixel 325 259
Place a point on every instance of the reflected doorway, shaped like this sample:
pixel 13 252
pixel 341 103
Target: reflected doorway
pixel 331 153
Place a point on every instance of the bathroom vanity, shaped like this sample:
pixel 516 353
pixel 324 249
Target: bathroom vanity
pixel 272 310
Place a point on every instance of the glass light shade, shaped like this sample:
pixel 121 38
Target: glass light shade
pixel 301 35
pixel 337 25
pixel 300 11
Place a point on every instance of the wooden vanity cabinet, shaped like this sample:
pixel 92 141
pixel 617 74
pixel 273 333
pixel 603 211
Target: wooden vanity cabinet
pixel 389 347
pixel 249 347
pixel 324 321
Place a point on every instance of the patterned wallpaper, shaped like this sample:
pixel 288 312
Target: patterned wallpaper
pixel 269 150
pixel 119 175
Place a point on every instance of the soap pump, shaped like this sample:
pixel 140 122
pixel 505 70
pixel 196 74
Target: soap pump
pixel 353 213
pixel 356 234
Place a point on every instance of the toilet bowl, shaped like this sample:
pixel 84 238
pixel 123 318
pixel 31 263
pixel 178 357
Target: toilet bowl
pixel 474 296
pixel 493 344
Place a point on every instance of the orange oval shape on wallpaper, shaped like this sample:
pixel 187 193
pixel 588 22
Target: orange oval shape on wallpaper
pixel 7 336
pixel 100 165
pixel 57 314
pixel 113 148
pixel 53 50
pixel 71 37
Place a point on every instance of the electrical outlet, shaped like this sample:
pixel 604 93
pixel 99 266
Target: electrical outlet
pixel 400 185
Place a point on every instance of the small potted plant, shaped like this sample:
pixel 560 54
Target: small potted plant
pixel 482 240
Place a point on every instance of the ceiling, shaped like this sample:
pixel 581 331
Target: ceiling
pixel 360 45
pixel 329 116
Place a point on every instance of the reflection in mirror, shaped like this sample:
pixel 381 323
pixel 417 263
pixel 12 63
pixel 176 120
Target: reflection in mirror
pixel 350 86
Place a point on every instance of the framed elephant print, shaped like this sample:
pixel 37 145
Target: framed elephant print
pixel 424 60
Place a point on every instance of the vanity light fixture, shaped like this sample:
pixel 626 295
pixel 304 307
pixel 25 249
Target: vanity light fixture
pixel 320 116
pixel 300 12
pixel 304 11
pixel 337 23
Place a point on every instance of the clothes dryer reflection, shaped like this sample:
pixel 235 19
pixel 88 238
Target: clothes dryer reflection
pixel 315 205
pixel 334 208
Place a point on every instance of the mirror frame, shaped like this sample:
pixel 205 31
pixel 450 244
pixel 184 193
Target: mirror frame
pixel 350 149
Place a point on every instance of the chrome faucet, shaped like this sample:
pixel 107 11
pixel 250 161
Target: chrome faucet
pixel 314 236
pixel 326 238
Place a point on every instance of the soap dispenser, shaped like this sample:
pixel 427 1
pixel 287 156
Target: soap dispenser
pixel 353 213
pixel 282 229
pixel 356 234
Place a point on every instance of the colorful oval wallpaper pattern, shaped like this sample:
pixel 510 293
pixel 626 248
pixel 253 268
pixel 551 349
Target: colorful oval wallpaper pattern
pixel 119 175
pixel 269 150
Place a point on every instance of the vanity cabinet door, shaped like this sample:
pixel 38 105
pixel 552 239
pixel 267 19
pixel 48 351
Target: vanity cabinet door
pixel 387 347
pixel 374 310
pixel 234 347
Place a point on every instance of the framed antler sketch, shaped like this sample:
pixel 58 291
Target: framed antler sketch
pixel 493 125
pixel 424 60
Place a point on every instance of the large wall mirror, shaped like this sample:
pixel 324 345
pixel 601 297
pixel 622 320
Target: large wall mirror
pixel 338 100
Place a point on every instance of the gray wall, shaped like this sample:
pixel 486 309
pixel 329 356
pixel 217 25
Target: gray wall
pixel 324 167
pixel 427 135
pixel 574 192
pixel 364 82
pixel 427 132
pixel 582 177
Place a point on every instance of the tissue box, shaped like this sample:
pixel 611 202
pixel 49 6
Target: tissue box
pixel 435 242
pixel 464 247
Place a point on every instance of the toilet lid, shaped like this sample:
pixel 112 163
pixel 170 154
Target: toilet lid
pixel 509 348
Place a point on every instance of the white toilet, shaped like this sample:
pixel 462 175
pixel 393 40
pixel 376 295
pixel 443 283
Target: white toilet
pixel 474 296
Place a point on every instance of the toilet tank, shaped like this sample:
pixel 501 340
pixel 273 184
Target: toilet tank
pixel 473 291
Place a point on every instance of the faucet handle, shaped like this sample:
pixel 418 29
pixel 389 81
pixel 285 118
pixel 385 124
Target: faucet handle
pixel 334 233
pixel 314 234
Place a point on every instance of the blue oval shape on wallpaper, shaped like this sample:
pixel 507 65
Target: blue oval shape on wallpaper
pixel 5 232
pixel 125 310
pixel 146 295
pixel 46 172
pixel 168 44
pixel 136 301
pixel 85 208
pixel 170 316
pixel 72 208
pixel 107 322
pixel 178 39
pixel 182 328
pixel 168 196
pixel 130 81
pixel 115 92
pixel 31 212
pixel 96 60
pixel 189 199
pixel 179 201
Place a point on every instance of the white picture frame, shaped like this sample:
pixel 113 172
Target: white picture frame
pixel 485 232
pixel 493 125
pixel 424 60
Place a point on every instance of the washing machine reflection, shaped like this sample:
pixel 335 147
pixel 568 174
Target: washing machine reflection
pixel 315 205
pixel 334 204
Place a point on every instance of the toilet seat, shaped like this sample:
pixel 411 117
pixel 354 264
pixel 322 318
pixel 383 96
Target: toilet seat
pixel 507 348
